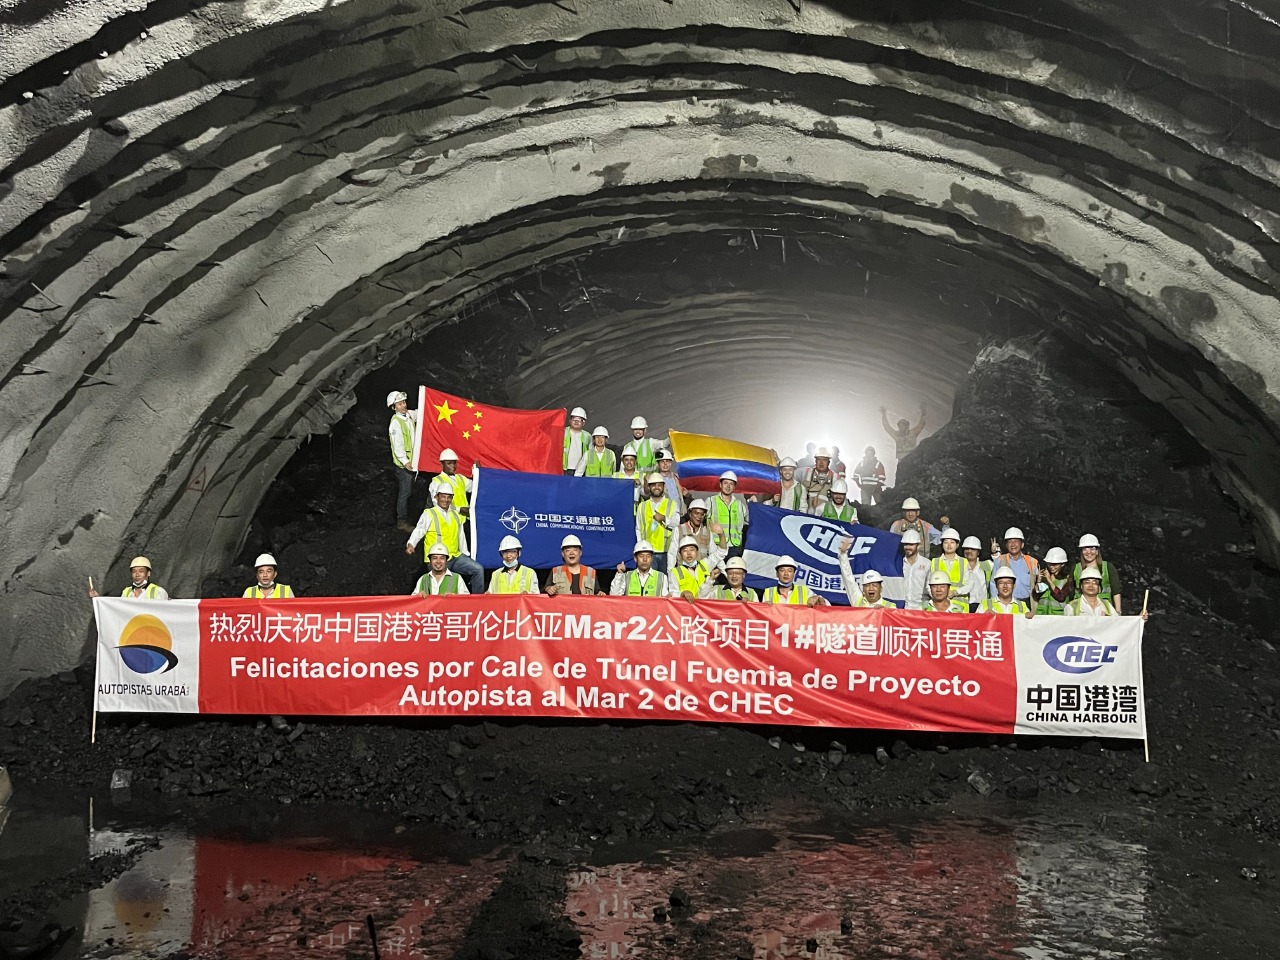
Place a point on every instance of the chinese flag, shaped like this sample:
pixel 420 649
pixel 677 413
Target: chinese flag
pixel 527 440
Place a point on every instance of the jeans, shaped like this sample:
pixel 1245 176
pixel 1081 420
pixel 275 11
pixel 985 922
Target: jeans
pixel 464 566
pixel 405 479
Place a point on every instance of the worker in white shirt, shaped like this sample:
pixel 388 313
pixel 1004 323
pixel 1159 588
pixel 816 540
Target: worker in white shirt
pixel 440 523
pixel 792 495
pixel 977 573
pixel 404 425
pixel 512 576
pixel 600 460
pixel 691 578
pixel 646 452
pixel 951 563
pixel 735 573
pixel 861 594
pixel 667 469
pixel 576 443
pixel 439 580
pixel 657 519
pixel 940 600
pixel 628 471
pixel 1003 581
pixel 838 506
pixel 728 516
pixel 140 585
pixel 643 581
pixel 1091 603
pixel 915 570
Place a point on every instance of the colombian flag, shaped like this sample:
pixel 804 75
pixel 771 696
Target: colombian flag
pixel 525 440
pixel 702 459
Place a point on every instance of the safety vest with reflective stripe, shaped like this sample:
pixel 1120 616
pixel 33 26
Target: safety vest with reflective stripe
pixel 795 498
pixel 281 591
pixel 953 606
pixel 1047 604
pixel 864 602
pixel 406 431
pixel 726 593
pixel 953 568
pixel 691 579
pixel 996 606
pixel 799 594
pixel 447 531
pixel 448 584
pixel 519 580
pixel 459 484
pixel 656 533
pixel 600 464
pixel 1105 569
pixel 150 592
pixel 649 588
pixel 729 517
pixel 646 459
pixel 845 514
pixel 1073 608
pixel 568 439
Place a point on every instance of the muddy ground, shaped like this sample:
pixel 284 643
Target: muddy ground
pixel 1033 442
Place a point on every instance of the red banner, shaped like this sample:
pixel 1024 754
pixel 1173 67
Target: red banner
pixel 531 441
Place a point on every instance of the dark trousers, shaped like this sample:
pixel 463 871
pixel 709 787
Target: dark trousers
pixel 404 478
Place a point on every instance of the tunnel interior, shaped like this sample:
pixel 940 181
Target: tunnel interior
pixel 216 220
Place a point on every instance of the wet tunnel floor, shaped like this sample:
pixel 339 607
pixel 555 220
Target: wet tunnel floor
pixel 300 882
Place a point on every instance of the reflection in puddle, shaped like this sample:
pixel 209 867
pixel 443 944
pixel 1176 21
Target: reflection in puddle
pixel 964 888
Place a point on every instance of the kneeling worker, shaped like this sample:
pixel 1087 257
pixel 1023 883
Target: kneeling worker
pixel 1004 579
pixel 940 596
pixel 787 590
pixel 441 523
pixel 866 595
pixel 643 581
pixel 572 577
pixel 735 572
pixel 266 588
pixel 439 579
pixel 140 587
pixel 513 577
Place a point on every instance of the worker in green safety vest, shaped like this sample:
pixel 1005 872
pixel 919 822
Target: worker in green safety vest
pixel 1054 586
pixel 512 576
pixel 1003 602
pixel 691 578
pixel 401 431
pixel 266 587
pixel 460 485
pixel 576 444
pixel 839 506
pixel 728 515
pixel 940 596
pixel 440 523
pixel 735 573
pixel 601 461
pixel 439 580
pixel 140 586
pixel 787 590
pixel 1091 556
pixel 646 452
pixel 643 581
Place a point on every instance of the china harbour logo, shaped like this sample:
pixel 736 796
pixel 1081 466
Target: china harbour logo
pixel 514 519
pixel 820 539
pixel 1078 654
pixel 146 645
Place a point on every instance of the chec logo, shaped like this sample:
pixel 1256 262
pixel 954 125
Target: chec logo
pixel 146 646
pixel 514 520
pixel 1077 654
pixel 821 538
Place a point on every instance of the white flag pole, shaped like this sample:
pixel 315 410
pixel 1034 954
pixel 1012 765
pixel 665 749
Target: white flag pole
pixel 97 667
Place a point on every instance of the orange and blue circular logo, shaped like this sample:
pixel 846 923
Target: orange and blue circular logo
pixel 146 646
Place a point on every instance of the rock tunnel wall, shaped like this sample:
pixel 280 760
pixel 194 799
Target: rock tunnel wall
pixel 215 218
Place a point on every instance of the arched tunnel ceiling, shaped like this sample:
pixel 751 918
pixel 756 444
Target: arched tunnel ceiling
pixel 217 217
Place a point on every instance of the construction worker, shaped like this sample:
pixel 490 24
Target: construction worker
pixel 786 590
pixel 1024 566
pixel 404 424
pixel 1091 556
pixel 576 443
pixel 1003 601
pixel 512 576
pixel 667 468
pixel 646 456
pixel 728 516
pixel 915 570
pixel 572 577
pixel 951 563
pixel 643 581
pixel 1053 586
pixel 1091 603
pixel 859 595
pixel 461 485
pixel 905 436
pixel 838 506
pixel 817 479
pixel 793 495
pixel 691 578
pixel 601 461
pixel 869 476
pixel 140 586
pixel 837 465
pixel 266 587
pixel 695 527
pixel 439 580
pixel 628 471
pixel 735 572
pixel 940 600
pixel 441 523
pixel 910 520
pixel 977 573
pixel 657 519
pixel 807 460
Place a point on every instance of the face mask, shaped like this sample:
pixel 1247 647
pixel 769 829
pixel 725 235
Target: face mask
pixel 510 564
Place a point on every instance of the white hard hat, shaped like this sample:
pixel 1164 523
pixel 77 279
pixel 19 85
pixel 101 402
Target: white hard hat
pixel 143 562
pixel 1004 573
pixel 642 546
pixel 629 450
pixel 264 560
pixel 665 455
pixel 654 478
pixel 971 543
pixel 437 549
pixel 822 453
pixel 509 543
pixel 1088 540
pixel 439 486
pixel 1013 533
pixel 786 462
pixel 570 541
pixel 839 486
pixel 736 563
pixel 447 454
pixel 786 560
pixel 395 396
pixel 578 412
pixel 689 542
pixel 871 576
pixel 697 505
pixel 951 533
pixel 938 577
pixel 1090 573
pixel 911 503
pixel 639 423
pixel 600 432
pixel 1055 555
pixel 911 536
pixel 729 475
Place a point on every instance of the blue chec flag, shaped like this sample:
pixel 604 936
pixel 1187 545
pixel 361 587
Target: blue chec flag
pixel 812 542
pixel 542 509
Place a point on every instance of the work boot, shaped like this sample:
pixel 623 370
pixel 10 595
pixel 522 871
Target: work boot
pixel 404 525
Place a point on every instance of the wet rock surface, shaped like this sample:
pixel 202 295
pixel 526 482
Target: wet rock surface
pixel 1031 444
